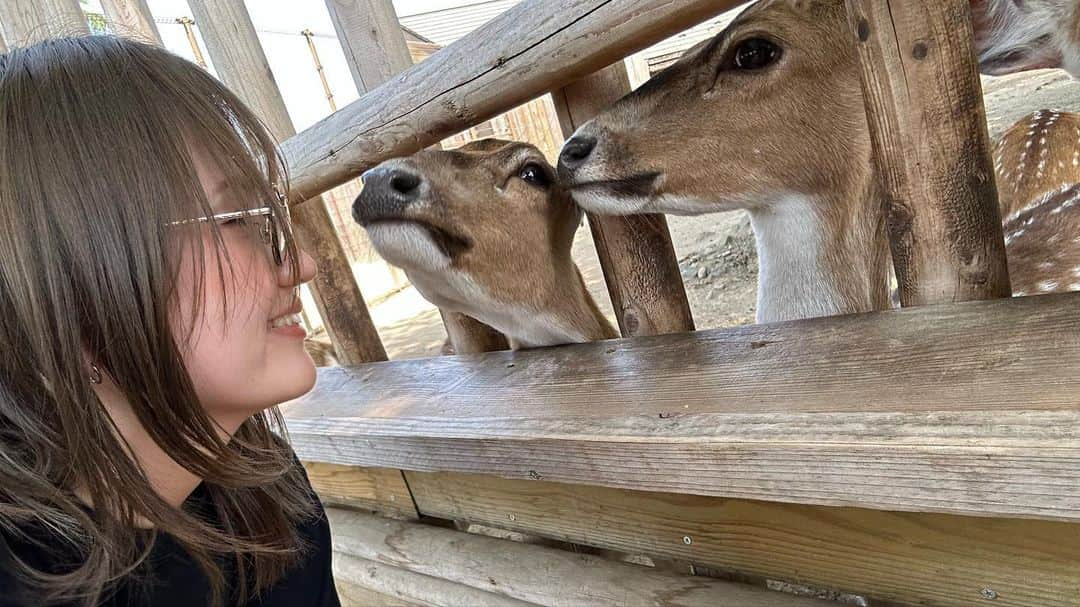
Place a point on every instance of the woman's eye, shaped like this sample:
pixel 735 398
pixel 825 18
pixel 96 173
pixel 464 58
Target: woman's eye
pixel 534 174
pixel 754 54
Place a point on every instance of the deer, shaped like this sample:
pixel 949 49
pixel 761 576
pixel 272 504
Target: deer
pixel 767 117
pixel 485 230
pixel 1037 166
pixel 1018 35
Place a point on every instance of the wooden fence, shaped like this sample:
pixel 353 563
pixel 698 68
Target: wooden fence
pixel 927 456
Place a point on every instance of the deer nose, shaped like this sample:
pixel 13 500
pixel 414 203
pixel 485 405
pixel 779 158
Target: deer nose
pixel 577 151
pixel 387 191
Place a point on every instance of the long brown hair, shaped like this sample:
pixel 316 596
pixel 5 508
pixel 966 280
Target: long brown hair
pixel 96 137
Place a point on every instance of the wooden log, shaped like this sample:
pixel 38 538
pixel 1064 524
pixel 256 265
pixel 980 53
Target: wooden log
pixel 28 21
pixel 928 127
pixel 967 409
pixel 372 39
pixel 380 490
pixel 470 336
pixel 411 588
pixel 535 574
pixel 239 60
pixel 534 47
pixel 896 558
pixel 354 595
pixel 132 18
pixel 636 254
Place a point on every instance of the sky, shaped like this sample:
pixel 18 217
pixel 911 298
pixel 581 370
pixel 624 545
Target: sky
pixel 279 23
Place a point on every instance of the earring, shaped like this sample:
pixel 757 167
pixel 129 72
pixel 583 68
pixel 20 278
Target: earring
pixel 95 375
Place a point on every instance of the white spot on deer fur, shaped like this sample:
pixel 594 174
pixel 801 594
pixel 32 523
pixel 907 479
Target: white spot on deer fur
pixel 1020 294
pixel 1029 143
pixel 1074 286
pixel 1076 270
pixel 1046 265
pixel 1061 165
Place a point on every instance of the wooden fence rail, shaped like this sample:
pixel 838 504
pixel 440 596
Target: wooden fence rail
pixel 967 409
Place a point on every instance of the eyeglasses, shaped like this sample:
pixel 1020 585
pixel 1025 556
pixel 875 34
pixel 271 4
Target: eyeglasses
pixel 275 222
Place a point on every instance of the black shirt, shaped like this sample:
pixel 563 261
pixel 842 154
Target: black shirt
pixel 177 581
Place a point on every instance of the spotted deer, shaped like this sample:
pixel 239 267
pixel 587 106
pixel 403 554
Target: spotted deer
pixel 1017 35
pixel 485 230
pixel 767 117
pixel 1037 164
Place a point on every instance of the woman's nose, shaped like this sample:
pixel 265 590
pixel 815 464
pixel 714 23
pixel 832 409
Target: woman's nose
pixel 306 270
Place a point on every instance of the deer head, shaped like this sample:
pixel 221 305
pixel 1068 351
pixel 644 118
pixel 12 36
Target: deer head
pixel 485 230
pixel 1017 35
pixel 767 116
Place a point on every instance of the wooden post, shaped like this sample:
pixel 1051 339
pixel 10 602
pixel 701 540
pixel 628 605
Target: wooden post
pixel 239 59
pixel 640 267
pixel 928 126
pixel 131 18
pixel 28 21
pixel 372 39
pixel 375 49
pixel 189 29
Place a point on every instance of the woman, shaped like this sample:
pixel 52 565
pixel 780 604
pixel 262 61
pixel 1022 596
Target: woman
pixel 148 312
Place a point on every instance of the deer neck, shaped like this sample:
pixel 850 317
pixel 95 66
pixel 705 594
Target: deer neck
pixel 822 255
pixel 569 315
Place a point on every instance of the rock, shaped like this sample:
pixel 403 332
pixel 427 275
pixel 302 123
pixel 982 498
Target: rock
pixel 703 272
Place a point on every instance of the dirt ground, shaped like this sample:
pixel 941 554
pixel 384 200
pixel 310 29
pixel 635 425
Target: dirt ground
pixel 716 252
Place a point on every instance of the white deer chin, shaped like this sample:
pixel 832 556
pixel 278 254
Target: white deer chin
pixel 408 245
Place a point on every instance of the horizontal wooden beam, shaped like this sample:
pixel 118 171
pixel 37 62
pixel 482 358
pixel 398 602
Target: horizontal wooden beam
pixel 533 575
pixel 970 408
pixel 380 490
pixel 895 558
pixel 532 48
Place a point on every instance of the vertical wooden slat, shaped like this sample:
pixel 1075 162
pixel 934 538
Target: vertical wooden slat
pixel 28 21
pixel 372 39
pixel 928 126
pixel 375 49
pixel 636 253
pixel 131 18
pixel 239 60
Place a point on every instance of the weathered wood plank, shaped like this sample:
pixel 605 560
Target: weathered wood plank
pixel 132 18
pixel 534 47
pixel 381 490
pixel 970 409
pixel 904 559
pixel 928 127
pixel 535 574
pixel 240 62
pixel 372 40
pixel 636 254
pixel 25 22
pixel 354 595
pixel 411 588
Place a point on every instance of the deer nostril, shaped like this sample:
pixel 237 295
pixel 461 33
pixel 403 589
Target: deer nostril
pixel 405 183
pixel 577 150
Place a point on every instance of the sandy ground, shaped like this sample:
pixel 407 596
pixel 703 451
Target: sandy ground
pixel 716 252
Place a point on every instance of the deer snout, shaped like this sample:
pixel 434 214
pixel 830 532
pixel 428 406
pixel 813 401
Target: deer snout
pixel 576 151
pixel 388 191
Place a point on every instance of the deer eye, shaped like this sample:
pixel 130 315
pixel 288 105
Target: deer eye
pixel 754 54
pixel 535 174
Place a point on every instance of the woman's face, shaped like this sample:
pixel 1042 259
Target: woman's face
pixel 248 355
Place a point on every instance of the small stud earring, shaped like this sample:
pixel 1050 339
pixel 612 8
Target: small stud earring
pixel 95 375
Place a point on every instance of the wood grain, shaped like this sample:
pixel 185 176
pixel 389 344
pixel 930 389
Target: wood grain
pixel 969 409
pixel 406 587
pixel 239 60
pixel 380 490
pixel 928 127
pixel 132 18
pixel 535 574
pixel 354 595
pixel 534 47
pixel 25 22
pixel 899 558
pixel 636 254
pixel 372 40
